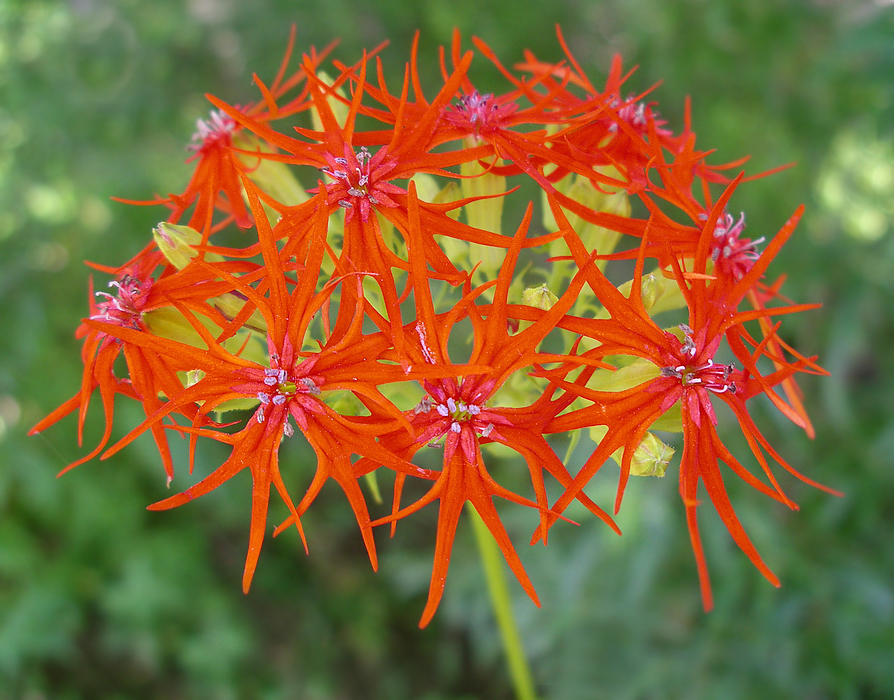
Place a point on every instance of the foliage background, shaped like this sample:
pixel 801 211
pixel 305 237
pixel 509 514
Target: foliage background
pixel 101 599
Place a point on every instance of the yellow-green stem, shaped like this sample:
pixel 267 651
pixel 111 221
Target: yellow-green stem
pixel 494 571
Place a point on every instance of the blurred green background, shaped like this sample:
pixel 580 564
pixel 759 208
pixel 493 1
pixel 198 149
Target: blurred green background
pixel 101 599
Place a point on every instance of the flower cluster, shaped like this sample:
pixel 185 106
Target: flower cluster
pixel 392 289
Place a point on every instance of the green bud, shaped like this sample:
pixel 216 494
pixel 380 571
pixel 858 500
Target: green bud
pixel 485 214
pixel 539 297
pixel 450 192
pixel 651 457
pixel 168 322
pixel 344 403
pixel 230 305
pixel 427 186
pixel 456 250
pixel 671 421
pixel 176 242
pixel 193 376
pixel 603 199
pixel 659 293
pixel 520 390
pixel 429 190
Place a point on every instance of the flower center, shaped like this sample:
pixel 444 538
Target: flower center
pixel 477 112
pixel 218 127
pixel 126 307
pixel 634 113
pixel 708 375
pixel 356 180
pixel 713 377
pixel 283 388
pixel 476 107
pixel 732 254
pixel 457 413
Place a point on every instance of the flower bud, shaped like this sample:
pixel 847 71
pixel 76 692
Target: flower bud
pixel 651 457
pixel 595 238
pixel 485 214
pixel 177 243
pixel 671 421
pixel 539 297
pixel 230 304
pixel 427 187
pixel 658 294
pixel 168 322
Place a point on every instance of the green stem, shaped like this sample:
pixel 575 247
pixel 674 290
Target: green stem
pixel 492 559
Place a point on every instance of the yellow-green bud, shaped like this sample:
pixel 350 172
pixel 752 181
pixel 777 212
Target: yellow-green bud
pixel 345 403
pixel 485 214
pixel 373 483
pixel 539 297
pixel 231 304
pixel 651 457
pixel 429 190
pixel 193 376
pixel 594 237
pixel 659 293
pixel 168 322
pixel 456 250
pixel 176 242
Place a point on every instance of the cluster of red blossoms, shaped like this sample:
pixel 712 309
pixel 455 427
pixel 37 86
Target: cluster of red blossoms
pixel 344 311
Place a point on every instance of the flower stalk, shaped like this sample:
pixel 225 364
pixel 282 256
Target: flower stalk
pixel 498 589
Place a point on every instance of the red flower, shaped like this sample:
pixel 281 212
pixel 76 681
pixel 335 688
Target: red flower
pixel 317 301
pixel 290 388
pixel 136 293
pixel 361 181
pixel 686 372
pixel 458 411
